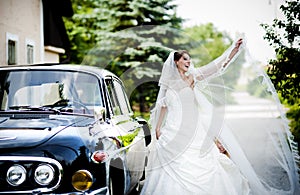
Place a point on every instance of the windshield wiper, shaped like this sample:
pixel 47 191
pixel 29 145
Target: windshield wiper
pixel 35 108
pixel 59 103
pixel 65 103
pixel 49 108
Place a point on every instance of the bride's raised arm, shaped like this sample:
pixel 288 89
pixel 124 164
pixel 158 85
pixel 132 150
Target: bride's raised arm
pixel 218 65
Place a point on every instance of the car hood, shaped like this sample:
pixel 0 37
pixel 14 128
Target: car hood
pixel 32 132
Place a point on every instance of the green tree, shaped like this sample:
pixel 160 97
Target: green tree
pixel 284 36
pixel 123 35
pixel 82 27
pixel 97 21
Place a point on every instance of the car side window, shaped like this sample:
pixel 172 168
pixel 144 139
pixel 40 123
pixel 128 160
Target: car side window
pixel 118 96
pixel 113 98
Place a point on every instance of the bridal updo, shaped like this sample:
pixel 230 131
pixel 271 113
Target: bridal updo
pixel 179 54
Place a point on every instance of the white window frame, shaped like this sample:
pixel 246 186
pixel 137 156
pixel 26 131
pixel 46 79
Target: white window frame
pixel 15 38
pixel 31 43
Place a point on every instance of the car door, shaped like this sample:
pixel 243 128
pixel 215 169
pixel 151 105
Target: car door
pixel 130 132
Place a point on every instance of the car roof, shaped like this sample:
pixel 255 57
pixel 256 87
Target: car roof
pixel 73 67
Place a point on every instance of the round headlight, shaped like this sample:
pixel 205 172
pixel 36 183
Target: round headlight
pixel 44 174
pixel 16 175
pixel 82 180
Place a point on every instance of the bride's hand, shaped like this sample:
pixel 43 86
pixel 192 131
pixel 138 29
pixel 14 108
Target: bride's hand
pixel 237 46
pixel 234 50
pixel 238 43
pixel 220 146
pixel 158 133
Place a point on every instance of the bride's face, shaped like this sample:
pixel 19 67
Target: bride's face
pixel 183 63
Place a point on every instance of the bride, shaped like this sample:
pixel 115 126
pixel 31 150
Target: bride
pixel 189 124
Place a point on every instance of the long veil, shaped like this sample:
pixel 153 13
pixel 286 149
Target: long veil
pixel 246 117
pixel 257 135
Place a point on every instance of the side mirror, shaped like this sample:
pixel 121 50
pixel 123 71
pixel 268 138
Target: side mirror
pixel 99 113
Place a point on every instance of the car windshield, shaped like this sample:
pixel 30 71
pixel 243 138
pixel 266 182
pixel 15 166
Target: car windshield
pixel 66 91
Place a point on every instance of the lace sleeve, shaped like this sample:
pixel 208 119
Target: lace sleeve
pixel 160 102
pixel 161 97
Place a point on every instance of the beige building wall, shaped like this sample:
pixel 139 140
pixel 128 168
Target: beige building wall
pixel 51 54
pixel 22 20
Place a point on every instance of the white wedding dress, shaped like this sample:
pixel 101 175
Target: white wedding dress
pixel 185 159
pixel 189 172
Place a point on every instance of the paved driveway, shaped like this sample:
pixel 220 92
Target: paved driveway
pixel 258 119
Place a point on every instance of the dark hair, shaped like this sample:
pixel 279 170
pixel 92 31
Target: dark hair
pixel 179 54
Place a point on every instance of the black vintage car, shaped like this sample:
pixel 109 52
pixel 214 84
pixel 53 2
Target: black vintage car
pixel 68 129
